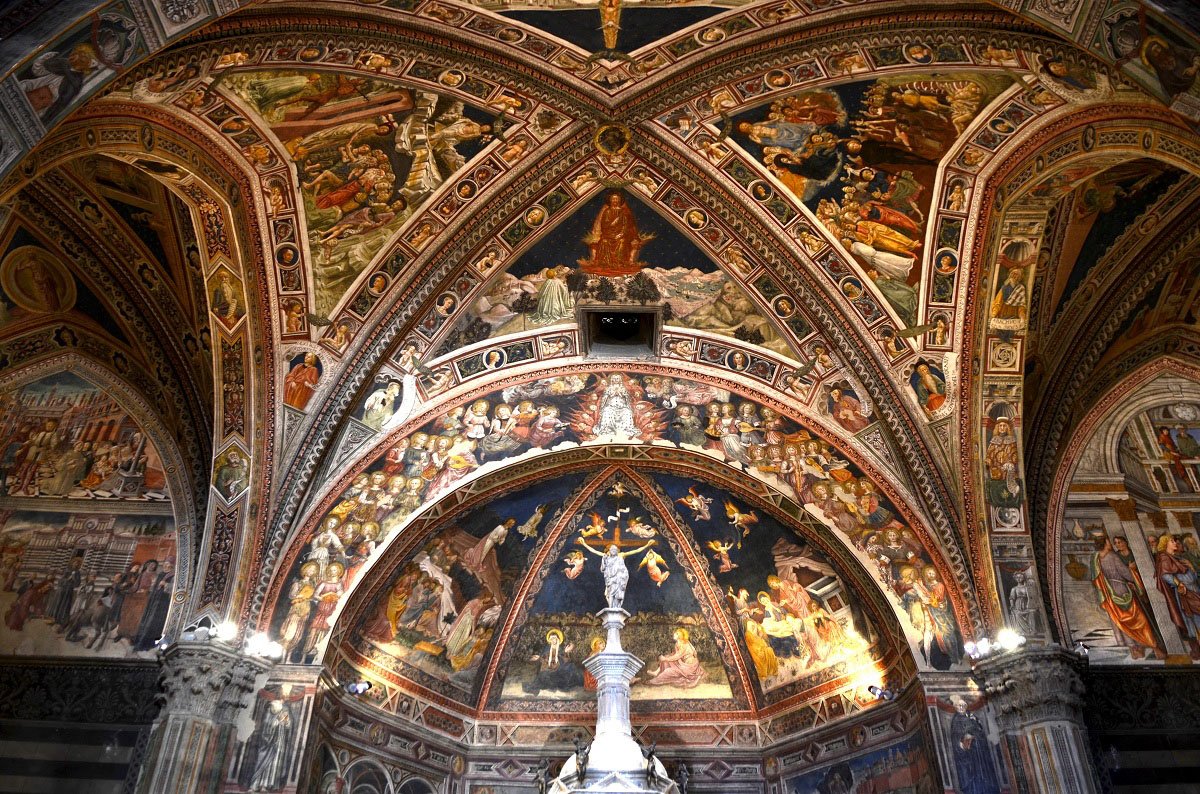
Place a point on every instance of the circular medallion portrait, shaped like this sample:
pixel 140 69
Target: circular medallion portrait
pixel 612 139
pixel 34 280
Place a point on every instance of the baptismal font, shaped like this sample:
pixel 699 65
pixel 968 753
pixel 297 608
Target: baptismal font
pixel 614 762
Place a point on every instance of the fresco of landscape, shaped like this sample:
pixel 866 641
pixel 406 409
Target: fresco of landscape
pixel 615 248
pixel 369 152
pixel 564 411
pixel 87 540
pixel 863 157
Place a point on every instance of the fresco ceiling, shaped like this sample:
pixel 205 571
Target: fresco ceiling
pixel 347 267
pixel 492 606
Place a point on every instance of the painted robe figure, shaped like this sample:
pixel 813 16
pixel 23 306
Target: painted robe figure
pixel 972 759
pixel 1180 584
pixel 1003 489
pixel 1123 598
pixel 681 667
pixel 301 382
pixel 614 241
pixel 275 740
pixel 616 411
pixel 556 670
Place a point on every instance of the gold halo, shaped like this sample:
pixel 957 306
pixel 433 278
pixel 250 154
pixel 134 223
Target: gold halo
pixel 554 633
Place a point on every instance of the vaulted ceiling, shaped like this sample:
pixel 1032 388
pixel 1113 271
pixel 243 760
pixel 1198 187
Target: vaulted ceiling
pixel 896 250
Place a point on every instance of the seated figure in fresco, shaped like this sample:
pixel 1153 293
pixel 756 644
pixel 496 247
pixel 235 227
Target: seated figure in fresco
pixel 614 240
pixel 681 667
pixel 555 668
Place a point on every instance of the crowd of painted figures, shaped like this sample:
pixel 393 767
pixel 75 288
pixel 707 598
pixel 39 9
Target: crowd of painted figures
pixel 543 414
pixel 89 609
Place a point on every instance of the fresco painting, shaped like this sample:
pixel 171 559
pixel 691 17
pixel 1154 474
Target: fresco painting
pixel 94 577
pixel 66 438
pixel 35 285
pixel 668 629
pixel 369 152
pixel 795 613
pixel 615 249
pixel 439 613
pixel 900 768
pixel 79 63
pixel 1102 209
pixel 564 411
pixel 1132 584
pixel 864 156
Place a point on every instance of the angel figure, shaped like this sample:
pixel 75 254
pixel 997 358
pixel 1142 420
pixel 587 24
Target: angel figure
pixel 742 521
pixel 595 529
pixel 698 504
pixel 656 566
pixel 575 562
pixel 636 526
pixel 529 529
pixel 722 555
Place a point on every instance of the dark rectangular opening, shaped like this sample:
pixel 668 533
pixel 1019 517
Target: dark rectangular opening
pixel 620 331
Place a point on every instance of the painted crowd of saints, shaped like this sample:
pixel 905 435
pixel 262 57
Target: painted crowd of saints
pixel 369 152
pixel 564 411
pixel 87 545
pixel 1118 607
pixel 864 157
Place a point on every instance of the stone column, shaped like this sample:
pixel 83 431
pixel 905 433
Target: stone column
pixel 1035 694
pixel 205 685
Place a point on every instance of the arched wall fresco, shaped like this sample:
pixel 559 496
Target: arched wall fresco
pixel 98 529
pixel 203 176
pixel 1026 189
pixel 561 410
pixel 1123 535
pixel 685 574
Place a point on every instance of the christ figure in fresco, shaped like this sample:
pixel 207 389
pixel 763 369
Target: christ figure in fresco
pixel 614 240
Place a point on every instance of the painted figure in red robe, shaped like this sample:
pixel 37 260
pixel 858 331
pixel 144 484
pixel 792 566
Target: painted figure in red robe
pixel 614 241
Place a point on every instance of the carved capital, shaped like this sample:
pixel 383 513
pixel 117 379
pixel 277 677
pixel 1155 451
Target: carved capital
pixel 1033 685
pixel 207 680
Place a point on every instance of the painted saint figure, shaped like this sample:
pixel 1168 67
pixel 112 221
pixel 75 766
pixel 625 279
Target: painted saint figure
pixel 301 382
pixel 1180 584
pixel 614 241
pixel 275 739
pixel 972 759
pixel 681 667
